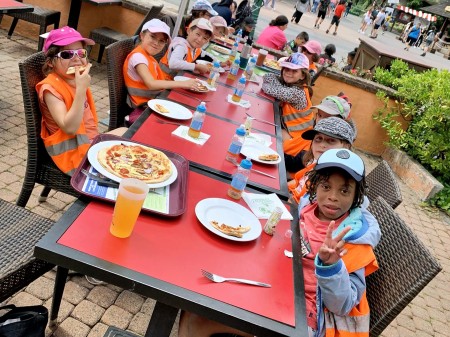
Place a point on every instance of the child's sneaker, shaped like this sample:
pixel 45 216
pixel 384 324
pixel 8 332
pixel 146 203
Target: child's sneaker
pixel 327 31
pixel 334 33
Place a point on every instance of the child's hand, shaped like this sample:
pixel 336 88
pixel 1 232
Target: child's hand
pixel 191 84
pixel 202 68
pixel 83 80
pixel 332 248
pixel 226 63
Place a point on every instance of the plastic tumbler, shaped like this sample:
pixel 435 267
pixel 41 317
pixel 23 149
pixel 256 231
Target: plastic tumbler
pixel 261 57
pixel 131 196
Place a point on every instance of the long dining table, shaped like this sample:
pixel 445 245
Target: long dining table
pixel 12 6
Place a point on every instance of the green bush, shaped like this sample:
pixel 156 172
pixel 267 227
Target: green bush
pixel 423 98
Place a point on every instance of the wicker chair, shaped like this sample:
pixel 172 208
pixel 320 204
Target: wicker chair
pixel 21 230
pixel 406 267
pixel 40 167
pixel 116 54
pixel 43 17
pixel 382 182
pixel 104 36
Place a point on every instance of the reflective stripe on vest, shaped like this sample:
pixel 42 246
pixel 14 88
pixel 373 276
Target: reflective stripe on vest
pixel 296 116
pixel 67 145
pixel 297 121
pixel 167 70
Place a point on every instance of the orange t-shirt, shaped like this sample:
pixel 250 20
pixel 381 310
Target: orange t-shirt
pixel 338 11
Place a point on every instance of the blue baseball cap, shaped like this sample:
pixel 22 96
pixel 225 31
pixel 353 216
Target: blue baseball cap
pixel 345 159
pixel 203 5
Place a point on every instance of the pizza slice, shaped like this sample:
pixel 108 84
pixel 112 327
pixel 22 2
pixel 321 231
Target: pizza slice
pixel 269 157
pixel 71 70
pixel 161 108
pixel 230 230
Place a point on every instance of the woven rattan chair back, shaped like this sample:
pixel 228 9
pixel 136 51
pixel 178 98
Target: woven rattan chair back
pixel 116 54
pixel 406 267
pixel 21 230
pixel 152 13
pixel 40 167
pixel 382 182
pixel 170 20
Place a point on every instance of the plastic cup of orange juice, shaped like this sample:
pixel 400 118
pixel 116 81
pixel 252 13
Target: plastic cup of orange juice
pixel 131 196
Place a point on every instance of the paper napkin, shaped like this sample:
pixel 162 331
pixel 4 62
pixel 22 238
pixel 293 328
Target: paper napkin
pixel 260 138
pixel 182 131
pixel 262 205
pixel 210 87
pixel 243 103
pixel 255 78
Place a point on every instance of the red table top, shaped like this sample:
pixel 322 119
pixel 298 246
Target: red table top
pixel 211 154
pixel 175 250
pixel 12 4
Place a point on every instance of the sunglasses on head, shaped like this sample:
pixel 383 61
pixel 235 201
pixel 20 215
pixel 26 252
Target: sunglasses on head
pixel 70 53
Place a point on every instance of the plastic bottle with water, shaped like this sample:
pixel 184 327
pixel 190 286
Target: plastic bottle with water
pixel 236 145
pixel 197 121
pixel 240 178
pixel 239 90
pixel 233 52
pixel 234 70
pixel 214 74
pixel 250 67
pixel 238 36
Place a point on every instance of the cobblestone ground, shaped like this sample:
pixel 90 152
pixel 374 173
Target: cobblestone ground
pixel 88 310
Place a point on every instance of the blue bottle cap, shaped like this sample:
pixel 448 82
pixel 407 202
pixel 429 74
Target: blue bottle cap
pixel 236 44
pixel 240 131
pixel 216 64
pixel 246 164
pixel 201 107
pixel 237 61
pixel 242 80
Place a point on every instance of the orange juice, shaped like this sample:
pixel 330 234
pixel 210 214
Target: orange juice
pixel 132 193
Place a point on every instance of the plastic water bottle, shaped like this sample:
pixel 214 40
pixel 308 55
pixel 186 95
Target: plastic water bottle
pixel 239 180
pixel 244 55
pixel 250 67
pixel 238 36
pixel 214 74
pixel 234 70
pixel 197 121
pixel 239 90
pixel 236 145
pixel 233 51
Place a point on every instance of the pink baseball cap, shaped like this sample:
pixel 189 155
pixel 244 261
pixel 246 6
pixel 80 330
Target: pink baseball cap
pixel 63 37
pixel 202 23
pixel 156 26
pixel 313 47
pixel 295 61
pixel 218 21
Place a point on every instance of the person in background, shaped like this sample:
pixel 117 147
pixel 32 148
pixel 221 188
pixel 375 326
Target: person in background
pixel 143 77
pixel 69 117
pixel 182 53
pixel 349 6
pixel 429 40
pixel 327 57
pixel 385 25
pixel 247 27
pixel 220 28
pixel 294 45
pixel 200 9
pixel 350 58
pixel 312 49
pixel 266 4
pixel 273 35
pixel 367 20
pixel 322 11
pixel 314 6
pixel 223 9
pixel 377 23
pixel 337 16
pixel 301 7
pixel 413 35
pixel 233 9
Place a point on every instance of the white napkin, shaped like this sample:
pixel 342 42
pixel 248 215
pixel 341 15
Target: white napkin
pixel 262 205
pixel 260 138
pixel 210 87
pixel 243 103
pixel 255 78
pixel 182 131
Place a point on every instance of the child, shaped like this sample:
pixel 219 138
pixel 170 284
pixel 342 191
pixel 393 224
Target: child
pixel 367 20
pixel 329 133
pixel 273 35
pixel 337 16
pixel 69 118
pixel 327 58
pixel 312 49
pixel 301 7
pixel 294 45
pixel 350 58
pixel 337 239
pixel 292 89
pixel 144 78
pixel 322 11
pixel 247 26
pixel 182 53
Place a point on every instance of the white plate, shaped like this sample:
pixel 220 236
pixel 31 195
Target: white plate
pixel 229 213
pixel 176 111
pixel 254 149
pixel 92 156
pixel 221 70
pixel 185 78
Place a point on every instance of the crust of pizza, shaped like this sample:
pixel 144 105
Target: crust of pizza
pixel 136 161
pixel 229 230
pixel 202 87
pixel 161 108
pixel 71 70
pixel 269 157
pixel 272 64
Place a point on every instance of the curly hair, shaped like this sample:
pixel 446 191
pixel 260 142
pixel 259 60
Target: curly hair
pixel 316 177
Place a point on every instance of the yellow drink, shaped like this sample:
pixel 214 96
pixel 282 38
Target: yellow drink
pixel 132 193
pixel 193 133
pixel 236 98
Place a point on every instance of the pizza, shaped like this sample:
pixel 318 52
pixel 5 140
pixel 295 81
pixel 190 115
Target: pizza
pixel 272 64
pixel 268 157
pixel 71 70
pixel 161 108
pixel 229 230
pixel 201 87
pixel 136 161
pixel 220 49
pixel 226 40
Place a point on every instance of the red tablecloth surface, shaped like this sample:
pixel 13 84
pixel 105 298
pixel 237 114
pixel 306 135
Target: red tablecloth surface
pixel 12 4
pixel 211 154
pixel 175 250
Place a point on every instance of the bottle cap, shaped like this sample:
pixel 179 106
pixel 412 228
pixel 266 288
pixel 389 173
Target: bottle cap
pixel 237 60
pixel 216 64
pixel 240 131
pixel 246 164
pixel 242 79
pixel 236 44
pixel 202 107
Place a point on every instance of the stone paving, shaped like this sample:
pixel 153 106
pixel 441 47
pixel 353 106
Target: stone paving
pixel 87 310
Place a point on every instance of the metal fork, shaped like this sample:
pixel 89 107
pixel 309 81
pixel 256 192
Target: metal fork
pixel 220 279
pixel 167 122
pixel 260 120
pixel 233 161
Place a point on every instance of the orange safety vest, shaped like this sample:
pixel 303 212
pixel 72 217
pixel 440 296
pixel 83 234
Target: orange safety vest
pixel 358 256
pixel 138 92
pixel 294 183
pixel 293 146
pixel 189 57
pixel 67 151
